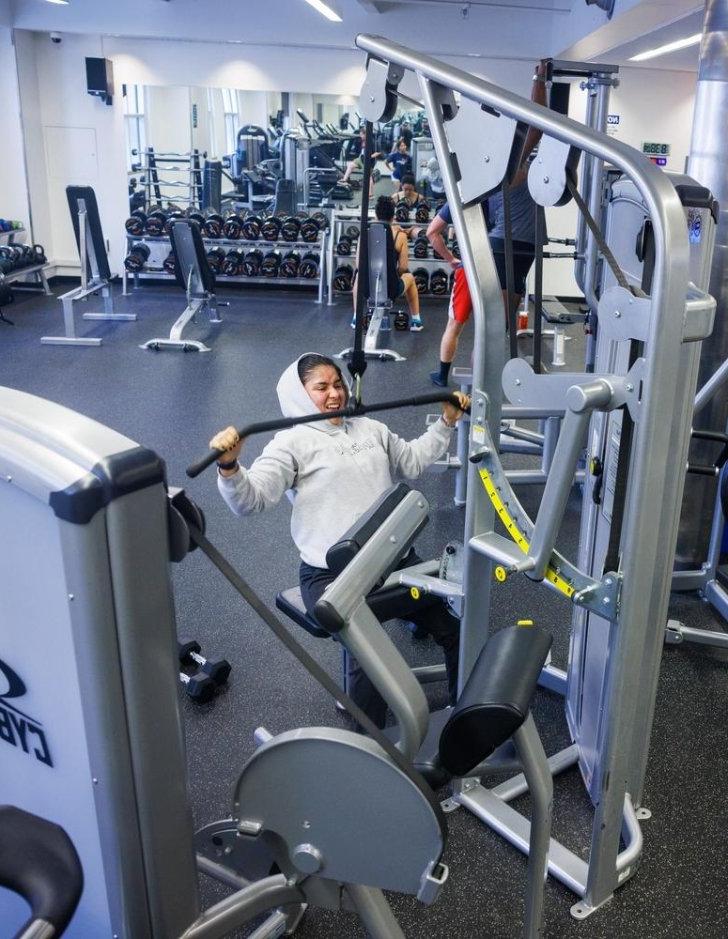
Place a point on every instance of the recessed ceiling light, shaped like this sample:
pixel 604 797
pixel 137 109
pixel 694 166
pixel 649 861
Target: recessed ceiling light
pixel 669 47
pixel 325 9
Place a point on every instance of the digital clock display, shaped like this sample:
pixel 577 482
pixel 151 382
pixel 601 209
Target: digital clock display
pixel 656 149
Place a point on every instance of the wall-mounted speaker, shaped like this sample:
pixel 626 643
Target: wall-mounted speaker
pixel 100 79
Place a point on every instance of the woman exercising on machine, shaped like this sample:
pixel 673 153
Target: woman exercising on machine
pixel 333 471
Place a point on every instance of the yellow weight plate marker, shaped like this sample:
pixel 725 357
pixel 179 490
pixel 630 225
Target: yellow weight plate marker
pixel 500 573
pixel 552 576
pixel 414 593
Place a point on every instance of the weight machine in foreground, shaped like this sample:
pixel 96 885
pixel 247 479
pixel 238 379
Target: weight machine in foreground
pixel 478 139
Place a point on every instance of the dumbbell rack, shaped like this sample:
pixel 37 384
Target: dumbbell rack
pixel 340 221
pixel 37 270
pixel 160 246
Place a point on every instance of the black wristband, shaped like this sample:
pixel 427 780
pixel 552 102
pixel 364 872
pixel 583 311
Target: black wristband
pixel 227 466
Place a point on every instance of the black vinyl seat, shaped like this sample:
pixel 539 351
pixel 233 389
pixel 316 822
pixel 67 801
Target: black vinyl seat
pixel 39 862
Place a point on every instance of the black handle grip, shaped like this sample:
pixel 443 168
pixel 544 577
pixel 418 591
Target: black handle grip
pixel 282 423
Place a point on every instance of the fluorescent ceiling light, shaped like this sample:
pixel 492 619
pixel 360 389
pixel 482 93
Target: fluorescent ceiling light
pixel 60 2
pixel 325 9
pixel 670 47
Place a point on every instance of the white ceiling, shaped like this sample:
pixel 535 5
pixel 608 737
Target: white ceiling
pixel 685 60
pixel 512 29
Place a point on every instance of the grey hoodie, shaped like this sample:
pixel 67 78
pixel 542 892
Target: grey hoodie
pixel 332 473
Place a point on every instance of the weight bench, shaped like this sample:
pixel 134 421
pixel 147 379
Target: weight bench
pixel 95 272
pixel 383 291
pixel 195 276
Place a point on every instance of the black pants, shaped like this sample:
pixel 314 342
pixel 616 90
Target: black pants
pixel 444 629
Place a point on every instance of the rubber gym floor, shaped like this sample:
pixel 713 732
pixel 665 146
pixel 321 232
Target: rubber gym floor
pixel 173 402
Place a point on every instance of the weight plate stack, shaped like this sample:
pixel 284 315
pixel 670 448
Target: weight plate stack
pixel 270 228
pixel 271 264
pixel 233 263
pixel 290 228
pixel 309 230
pixel 136 223
pixel 213 225
pixel 422 212
pixel 251 227
pixel 422 279
pixel 215 258
pixel 252 262
pixel 344 278
pixel 233 227
pixel 137 257
pixel 309 266
pixel 421 247
pixel 439 282
pixel 290 264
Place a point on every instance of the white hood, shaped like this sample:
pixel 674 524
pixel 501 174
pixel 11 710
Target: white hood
pixel 293 397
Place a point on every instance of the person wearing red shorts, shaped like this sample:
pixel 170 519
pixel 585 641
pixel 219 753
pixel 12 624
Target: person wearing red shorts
pixel 523 227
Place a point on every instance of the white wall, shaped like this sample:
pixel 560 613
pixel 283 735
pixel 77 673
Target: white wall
pixel 13 184
pixel 71 139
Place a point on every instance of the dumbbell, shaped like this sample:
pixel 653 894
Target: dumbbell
pixel 155 224
pixel 170 264
pixel 252 262
pixel 198 687
pixel 270 228
pixel 452 280
pixel 422 212
pixel 233 261
pixel 290 228
pixel 218 670
pixel 198 218
pixel 137 257
pixel 309 229
pixel 439 282
pixel 215 257
pixel 233 227
pixel 271 263
pixel 172 217
pixel 422 279
pixel 344 246
pixel 401 320
pixel 352 232
pixel 26 255
pixel 455 247
pixel 320 219
pixel 309 266
pixel 136 222
pixel 290 264
pixel 344 278
pixel 251 227
pixel 421 247
pixel 212 227
pixel 7 260
pixel 401 212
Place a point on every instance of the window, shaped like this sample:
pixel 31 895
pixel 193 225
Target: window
pixel 134 124
pixel 230 110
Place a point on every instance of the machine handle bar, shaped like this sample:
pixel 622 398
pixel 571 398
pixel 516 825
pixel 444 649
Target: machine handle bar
pixel 355 410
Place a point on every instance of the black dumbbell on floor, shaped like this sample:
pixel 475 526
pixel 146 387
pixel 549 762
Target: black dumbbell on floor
pixel 199 687
pixel 218 670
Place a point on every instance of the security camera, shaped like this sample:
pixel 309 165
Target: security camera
pixel 56 38
pixel 465 11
